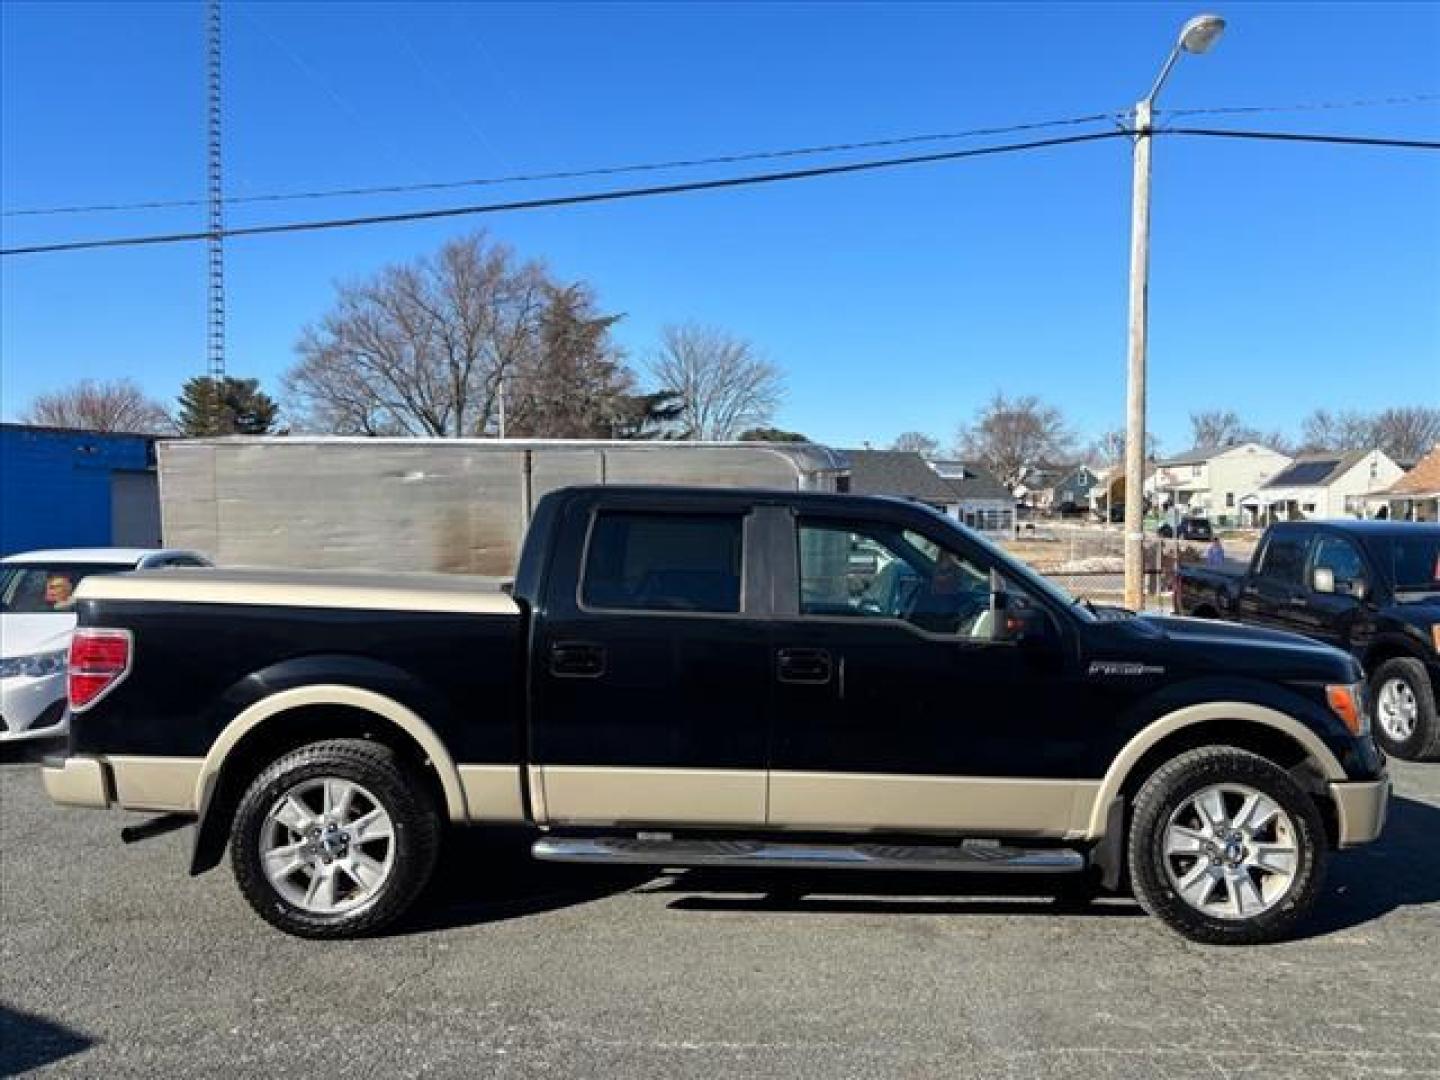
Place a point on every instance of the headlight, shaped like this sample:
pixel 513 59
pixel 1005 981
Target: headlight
pixel 35 666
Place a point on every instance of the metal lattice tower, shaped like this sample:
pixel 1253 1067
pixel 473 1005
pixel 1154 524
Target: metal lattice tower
pixel 215 334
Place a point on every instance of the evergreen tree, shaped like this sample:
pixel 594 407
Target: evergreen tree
pixel 232 407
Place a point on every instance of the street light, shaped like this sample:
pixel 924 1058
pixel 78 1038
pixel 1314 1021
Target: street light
pixel 1196 36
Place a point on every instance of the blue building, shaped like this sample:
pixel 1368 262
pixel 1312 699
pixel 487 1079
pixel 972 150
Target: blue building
pixel 66 488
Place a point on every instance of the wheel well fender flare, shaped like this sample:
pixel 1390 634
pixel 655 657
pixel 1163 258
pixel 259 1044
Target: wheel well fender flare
pixel 1190 715
pixel 334 694
pixel 1387 647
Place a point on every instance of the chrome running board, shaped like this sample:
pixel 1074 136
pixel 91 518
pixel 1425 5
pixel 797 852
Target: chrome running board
pixel 972 856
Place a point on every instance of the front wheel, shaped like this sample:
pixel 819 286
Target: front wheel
pixel 1225 847
pixel 1404 715
pixel 334 840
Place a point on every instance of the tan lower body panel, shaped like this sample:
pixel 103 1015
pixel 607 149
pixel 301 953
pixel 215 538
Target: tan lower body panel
pixel 77 781
pixel 992 806
pixel 492 792
pixel 1360 809
pixel 589 795
pixel 156 783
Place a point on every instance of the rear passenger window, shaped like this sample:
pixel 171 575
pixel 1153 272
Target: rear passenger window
pixel 664 562
pixel 1284 560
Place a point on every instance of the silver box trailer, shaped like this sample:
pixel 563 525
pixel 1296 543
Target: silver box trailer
pixel 452 505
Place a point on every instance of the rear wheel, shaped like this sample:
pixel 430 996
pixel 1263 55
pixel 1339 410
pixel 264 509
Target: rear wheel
pixel 1404 715
pixel 334 840
pixel 1225 847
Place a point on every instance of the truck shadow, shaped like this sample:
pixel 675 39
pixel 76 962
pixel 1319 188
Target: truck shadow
pixel 1401 869
pixel 490 878
pixel 28 1041
pixel 884 893
pixel 486 877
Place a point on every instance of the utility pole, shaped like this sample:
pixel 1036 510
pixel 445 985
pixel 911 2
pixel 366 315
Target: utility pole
pixel 1135 371
pixel 215 327
pixel 1196 36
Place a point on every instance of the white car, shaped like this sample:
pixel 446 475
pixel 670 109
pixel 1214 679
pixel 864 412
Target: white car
pixel 36 619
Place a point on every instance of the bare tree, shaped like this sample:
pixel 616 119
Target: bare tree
pixel 725 386
pixel 1218 427
pixel 1409 432
pixel 422 348
pixel 117 405
pixel 1009 435
pixel 1346 429
pixel 1107 450
pixel 927 446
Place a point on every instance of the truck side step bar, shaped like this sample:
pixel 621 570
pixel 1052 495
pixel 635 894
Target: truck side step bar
pixel 970 856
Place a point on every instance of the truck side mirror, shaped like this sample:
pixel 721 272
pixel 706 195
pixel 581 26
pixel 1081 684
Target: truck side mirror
pixel 998 616
pixel 1323 580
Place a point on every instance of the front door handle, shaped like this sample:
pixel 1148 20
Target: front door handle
pixel 577 660
pixel 803 666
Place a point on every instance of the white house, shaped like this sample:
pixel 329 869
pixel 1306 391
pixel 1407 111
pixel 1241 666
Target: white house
pixel 1329 485
pixel 1214 481
pixel 981 500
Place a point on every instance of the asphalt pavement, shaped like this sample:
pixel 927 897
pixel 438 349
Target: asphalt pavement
pixel 114 963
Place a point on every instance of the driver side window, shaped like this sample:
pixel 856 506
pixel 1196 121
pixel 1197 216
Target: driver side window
pixel 876 571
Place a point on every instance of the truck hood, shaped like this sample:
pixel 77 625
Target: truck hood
pixel 25 634
pixel 1250 650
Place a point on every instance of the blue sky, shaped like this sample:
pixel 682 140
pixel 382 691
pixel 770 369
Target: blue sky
pixel 1283 277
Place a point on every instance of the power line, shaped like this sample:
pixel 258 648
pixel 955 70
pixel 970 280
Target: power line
pixel 707 185
pixel 1312 106
pixel 569 200
pixel 682 163
pixel 1291 136
pixel 574 174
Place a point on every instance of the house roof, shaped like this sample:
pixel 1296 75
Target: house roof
pixel 901 473
pixel 971 480
pixel 1315 470
pixel 1198 456
pixel 1201 454
pixel 1423 479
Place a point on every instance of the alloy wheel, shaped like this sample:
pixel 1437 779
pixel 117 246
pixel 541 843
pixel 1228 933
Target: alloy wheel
pixel 327 846
pixel 1230 851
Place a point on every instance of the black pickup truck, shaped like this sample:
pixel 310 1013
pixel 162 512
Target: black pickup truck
pixel 1371 588
pixel 687 677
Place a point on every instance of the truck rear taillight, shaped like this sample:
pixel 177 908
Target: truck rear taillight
pixel 99 661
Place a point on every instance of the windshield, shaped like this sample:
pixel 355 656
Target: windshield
pixel 1013 566
pixel 38 588
pixel 1416 562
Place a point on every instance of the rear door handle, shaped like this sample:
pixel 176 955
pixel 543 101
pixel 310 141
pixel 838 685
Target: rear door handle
pixel 803 666
pixel 577 660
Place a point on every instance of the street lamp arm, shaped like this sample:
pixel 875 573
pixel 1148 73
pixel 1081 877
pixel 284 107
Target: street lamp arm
pixel 1149 98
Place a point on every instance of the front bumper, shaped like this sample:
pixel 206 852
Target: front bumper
pixel 1360 808
pixel 33 708
pixel 77 781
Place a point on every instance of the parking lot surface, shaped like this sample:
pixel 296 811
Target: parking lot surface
pixel 114 963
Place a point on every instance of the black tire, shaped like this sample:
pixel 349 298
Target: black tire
pixel 1167 790
pixel 1423 743
pixel 402 795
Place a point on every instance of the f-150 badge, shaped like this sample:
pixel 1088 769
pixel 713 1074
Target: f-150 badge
pixel 1124 667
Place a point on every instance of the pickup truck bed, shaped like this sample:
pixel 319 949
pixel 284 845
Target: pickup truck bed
pixel 708 677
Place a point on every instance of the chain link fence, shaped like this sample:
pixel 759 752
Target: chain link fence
pixel 1089 562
